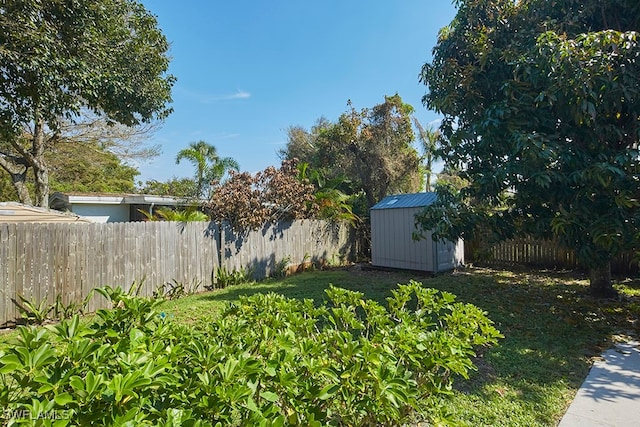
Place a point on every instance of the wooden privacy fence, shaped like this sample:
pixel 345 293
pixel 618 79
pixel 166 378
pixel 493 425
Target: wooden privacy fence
pixel 276 245
pixel 538 253
pixel 42 261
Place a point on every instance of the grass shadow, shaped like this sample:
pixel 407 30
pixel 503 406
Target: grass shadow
pixel 553 330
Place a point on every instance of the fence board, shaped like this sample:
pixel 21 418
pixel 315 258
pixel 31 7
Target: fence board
pixel 7 291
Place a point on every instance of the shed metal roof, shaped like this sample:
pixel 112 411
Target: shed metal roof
pixel 399 201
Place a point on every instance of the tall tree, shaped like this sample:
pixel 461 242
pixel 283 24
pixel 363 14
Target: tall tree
pixel 377 143
pixel 88 168
pixel 90 155
pixel 60 58
pixel 7 190
pixel 372 148
pixel 128 143
pixel 333 202
pixel 210 168
pixel 428 138
pixel 541 105
pixel 305 145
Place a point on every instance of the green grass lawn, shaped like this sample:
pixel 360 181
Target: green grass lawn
pixel 552 331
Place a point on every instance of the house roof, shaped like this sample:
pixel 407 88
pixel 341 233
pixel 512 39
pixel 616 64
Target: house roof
pixel 399 201
pixel 18 212
pixel 64 200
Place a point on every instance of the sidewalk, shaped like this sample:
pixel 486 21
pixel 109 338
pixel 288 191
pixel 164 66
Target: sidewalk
pixel 610 395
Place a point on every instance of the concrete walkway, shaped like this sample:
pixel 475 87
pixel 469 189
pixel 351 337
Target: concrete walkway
pixel 610 396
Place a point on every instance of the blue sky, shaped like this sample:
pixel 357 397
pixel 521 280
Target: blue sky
pixel 247 70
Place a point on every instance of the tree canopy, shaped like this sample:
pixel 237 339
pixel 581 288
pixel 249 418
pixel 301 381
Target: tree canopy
pixel 60 58
pixel 175 186
pixel 85 168
pixel 541 104
pixel 371 148
pixel 250 201
pixel 428 138
pixel 89 168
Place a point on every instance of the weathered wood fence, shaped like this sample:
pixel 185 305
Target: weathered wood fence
pixel 538 253
pixel 42 261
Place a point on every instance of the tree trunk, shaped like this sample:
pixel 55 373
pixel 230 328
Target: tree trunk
pixel 428 166
pixel 600 281
pixel 39 165
pixel 20 184
pixel 17 169
pixel 42 186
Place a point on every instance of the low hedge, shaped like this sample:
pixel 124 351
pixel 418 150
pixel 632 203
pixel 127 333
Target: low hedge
pixel 266 360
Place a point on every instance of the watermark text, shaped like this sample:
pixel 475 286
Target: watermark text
pixel 25 414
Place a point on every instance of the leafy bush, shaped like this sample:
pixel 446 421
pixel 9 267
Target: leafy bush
pixel 176 289
pixel 188 214
pixel 34 312
pixel 250 201
pixel 267 360
pixel 281 268
pixel 224 277
pixel 66 311
pixel 38 313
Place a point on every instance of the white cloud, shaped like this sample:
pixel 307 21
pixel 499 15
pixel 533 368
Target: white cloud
pixel 224 135
pixel 204 98
pixel 240 94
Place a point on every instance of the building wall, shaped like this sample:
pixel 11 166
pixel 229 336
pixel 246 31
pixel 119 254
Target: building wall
pixel 450 255
pixel 103 213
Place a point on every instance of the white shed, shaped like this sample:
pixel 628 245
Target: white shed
pixel 392 244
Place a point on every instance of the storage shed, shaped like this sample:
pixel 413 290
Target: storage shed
pixel 392 244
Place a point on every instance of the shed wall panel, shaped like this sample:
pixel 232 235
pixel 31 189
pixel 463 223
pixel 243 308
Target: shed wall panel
pixel 450 255
pixel 392 243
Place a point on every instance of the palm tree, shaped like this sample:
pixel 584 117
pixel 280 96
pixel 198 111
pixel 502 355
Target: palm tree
pixel 429 140
pixel 209 166
pixel 333 203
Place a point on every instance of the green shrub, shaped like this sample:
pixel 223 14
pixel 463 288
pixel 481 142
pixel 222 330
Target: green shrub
pixel 267 360
pixel 225 278
pixel 281 268
pixel 33 312
pixel 176 289
pixel 66 311
pixel 38 313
